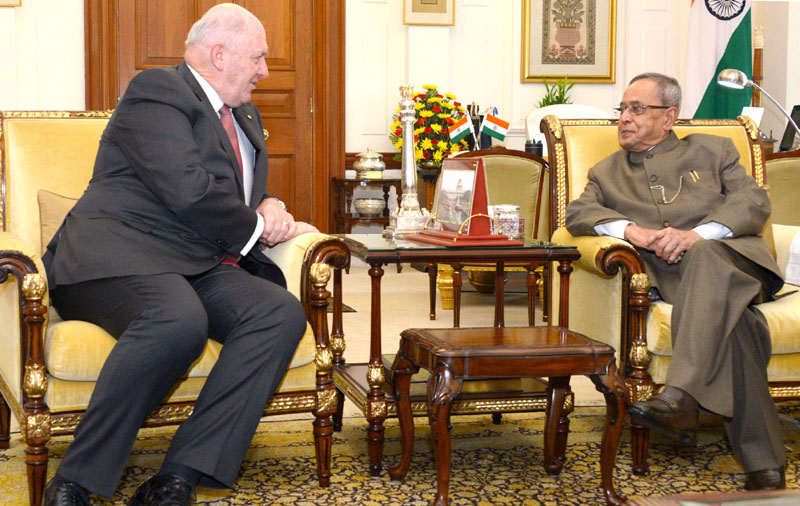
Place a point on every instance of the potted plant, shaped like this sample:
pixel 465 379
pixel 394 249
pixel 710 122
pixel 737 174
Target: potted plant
pixel 556 93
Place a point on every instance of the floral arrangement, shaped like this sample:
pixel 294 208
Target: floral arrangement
pixel 434 116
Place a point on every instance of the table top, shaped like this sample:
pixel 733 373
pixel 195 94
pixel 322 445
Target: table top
pixel 376 248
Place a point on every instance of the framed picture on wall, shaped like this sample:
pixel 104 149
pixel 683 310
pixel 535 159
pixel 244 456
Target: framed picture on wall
pixel 10 3
pixel 429 12
pixel 572 38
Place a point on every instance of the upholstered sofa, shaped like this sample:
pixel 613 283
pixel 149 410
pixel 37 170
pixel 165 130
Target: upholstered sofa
pixel 608 288
pixel 48 367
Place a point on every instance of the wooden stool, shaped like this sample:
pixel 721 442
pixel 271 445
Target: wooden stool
pixel 454 355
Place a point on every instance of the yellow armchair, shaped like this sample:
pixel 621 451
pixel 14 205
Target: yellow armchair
pixel 48 367
pixel 608 288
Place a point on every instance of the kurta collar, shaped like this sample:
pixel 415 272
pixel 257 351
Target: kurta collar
pixel 637 157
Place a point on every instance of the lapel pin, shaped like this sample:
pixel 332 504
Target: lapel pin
pixel 249 117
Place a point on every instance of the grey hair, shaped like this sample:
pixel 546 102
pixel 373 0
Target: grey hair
pixel 226 20
pixel 669 90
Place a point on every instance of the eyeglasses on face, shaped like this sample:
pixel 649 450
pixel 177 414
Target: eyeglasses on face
pixel 636 108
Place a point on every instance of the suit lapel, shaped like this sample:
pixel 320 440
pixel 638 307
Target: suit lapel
pixel 213 118
pixel 247 118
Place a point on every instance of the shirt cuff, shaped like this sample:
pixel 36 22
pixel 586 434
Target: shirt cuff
pixel 713 230
pixel 614 228
pixel 256 234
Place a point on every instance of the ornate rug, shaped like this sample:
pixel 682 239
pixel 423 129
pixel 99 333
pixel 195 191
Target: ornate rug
pixel 492 465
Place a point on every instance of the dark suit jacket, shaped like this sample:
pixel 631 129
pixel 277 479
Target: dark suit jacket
pixel 166 194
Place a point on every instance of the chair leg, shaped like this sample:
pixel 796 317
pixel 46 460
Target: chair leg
pixel 639 441
pixel 36 463
pixel 323 437
pixel 5 424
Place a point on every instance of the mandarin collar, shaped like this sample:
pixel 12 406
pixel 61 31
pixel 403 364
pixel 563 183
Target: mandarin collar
pixel 637 157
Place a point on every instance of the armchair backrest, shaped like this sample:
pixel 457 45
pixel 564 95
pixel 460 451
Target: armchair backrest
pixel 783 176
pixel 43 150
pixel 575 146
pixel 518 178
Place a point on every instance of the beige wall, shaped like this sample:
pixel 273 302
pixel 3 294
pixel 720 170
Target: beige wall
pixel 41 50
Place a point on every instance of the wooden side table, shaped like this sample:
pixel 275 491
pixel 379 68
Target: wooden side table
pixel 342 190
pixel 455 355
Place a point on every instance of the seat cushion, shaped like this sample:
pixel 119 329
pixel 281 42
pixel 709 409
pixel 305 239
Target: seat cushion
pixel 783 319
pixel 76 351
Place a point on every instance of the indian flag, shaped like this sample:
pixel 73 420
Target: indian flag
pixel 494 127
pixel 719 38
pixel 460 129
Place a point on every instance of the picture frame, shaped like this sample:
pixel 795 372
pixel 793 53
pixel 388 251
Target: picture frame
pixel 429 12
pixel 10 3
pixel 456 189
pixel 572 38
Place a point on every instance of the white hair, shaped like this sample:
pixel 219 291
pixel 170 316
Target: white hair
pixel 226 22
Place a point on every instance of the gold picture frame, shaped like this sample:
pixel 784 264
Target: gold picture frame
pixel 10 3
pixel 429 12
pixel 572 38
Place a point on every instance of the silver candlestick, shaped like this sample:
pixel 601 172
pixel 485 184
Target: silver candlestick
pixel 408 217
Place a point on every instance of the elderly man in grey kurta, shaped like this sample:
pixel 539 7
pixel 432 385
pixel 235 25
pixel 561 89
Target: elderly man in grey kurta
pixel 693 213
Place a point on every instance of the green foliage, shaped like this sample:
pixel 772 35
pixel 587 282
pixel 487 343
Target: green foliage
pixel 568 11
pixel 556 93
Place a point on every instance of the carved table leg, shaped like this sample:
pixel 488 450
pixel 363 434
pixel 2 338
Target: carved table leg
pixel 612 386
pixel 445 284
pixel 432 271
pixel 556 425
pixel 457 281
pixel 402 370
pixel 376 400
pixel 5 424
pixel 442 389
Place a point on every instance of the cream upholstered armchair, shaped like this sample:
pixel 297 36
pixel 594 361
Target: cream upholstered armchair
pixel 512 177
pixel 608 288
pixel 48 367
pixel 783 176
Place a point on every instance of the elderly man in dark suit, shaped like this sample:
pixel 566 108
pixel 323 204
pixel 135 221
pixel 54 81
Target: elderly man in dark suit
pixel 161 251
pixel 693 213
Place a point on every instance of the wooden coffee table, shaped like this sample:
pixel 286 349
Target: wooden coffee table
pixel 455 355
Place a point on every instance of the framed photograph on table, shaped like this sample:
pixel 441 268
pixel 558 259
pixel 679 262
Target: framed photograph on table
pixel 429 12
pixel 572 38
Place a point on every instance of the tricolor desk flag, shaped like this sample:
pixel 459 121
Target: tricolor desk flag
pixel 719 38
pixel 461 129
pixel 494 127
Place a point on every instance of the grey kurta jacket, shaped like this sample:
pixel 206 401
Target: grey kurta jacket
pixel 679 183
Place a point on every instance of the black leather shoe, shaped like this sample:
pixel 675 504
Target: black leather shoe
pixel 672 412
pixel 766 479
pixel 163 490
pixel 67 493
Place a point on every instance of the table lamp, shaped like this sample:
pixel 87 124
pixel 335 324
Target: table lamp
pixel 736 79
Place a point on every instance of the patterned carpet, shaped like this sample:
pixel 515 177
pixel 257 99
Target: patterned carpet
pixel 492 465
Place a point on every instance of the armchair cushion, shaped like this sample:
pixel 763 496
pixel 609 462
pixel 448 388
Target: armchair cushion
pixel 53 208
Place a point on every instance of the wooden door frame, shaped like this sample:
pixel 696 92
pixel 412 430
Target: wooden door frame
pixel 328 81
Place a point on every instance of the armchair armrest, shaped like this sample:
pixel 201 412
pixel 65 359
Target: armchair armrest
pixel 23 310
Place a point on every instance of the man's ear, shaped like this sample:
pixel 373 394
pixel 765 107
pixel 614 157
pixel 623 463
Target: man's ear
pixel 218 56
pixel 671 115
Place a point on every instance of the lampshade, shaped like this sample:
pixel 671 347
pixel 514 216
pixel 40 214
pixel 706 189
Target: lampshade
pixel 733 78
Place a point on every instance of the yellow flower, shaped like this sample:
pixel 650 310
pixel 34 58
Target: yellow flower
pixel 425 114
pixel 399 143
pixel 438 156
pixel 450 96
pixel 417 154
pixel 429 86
pixel 419 105
pixel 447 105
pixel 395 125
pixel 419 130
pixel 426 144
pixel 434 100
pixel 436 128
pixel 443 115
pixel 455 148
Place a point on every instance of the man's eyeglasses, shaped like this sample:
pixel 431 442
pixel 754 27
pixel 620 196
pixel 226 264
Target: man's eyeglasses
pixel 636 108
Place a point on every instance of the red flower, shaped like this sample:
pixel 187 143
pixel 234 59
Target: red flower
pixel 421 121
pixel 450 121
pixel 457 104
pixel 436 108
pixel 428 130
pixel 398 132
pixel 426 155
pixel 444 130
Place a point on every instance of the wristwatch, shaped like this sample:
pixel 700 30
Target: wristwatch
pixel 279 202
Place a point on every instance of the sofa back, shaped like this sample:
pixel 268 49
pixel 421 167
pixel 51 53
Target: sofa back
pixel 783 178
pixel 575 146
pixel 44 150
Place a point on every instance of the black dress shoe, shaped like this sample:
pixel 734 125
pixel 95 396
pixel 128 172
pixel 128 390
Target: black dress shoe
pixel 163 490
pixel 66 493
pixel 766 479
pixel 672 412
